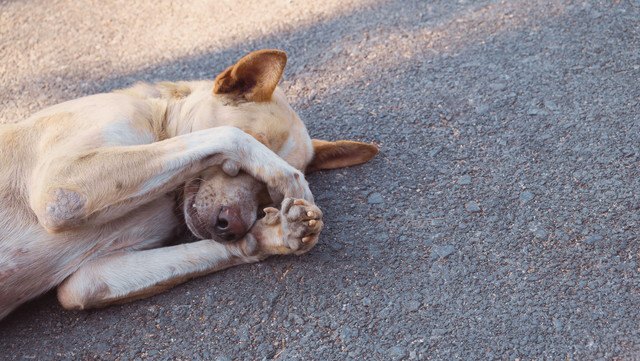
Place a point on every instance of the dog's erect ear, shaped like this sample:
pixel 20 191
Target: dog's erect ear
pixel 343 153
pixel 254 77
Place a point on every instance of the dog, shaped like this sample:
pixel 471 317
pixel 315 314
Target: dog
pixel 94 190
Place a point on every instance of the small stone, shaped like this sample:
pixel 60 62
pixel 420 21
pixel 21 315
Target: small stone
pixel 593 239
pixel 482 109
pixel 366 302
pixel 101 347
pixel 557 324
pixel 243 333
pixel 397 353
pixel 539 232
pixel 610 194
pixel 326 195
pixel 550 104
pixel 472 207
pixel 561 236
pixel 438 332
pixel 347 333
pixel 536 111
pixel 464 180
pixel 375 198
pixel 498 86
pixel 296 319
pixel 412 306
pixel 526 196
pixel 433 152
pixel 266 350
pixel 440 252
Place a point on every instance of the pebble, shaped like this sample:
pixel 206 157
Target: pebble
pixel 562 236
pixel 397 353
pixel 438 332
pixel 433 152
pixel 539 232
pixel 536 111
pixel 101 347
pixel 593 239
pixel 296 319
pixel 347 333
pixel 440 252
pixel 375 198
pixel 550 104
pixel 464 180
pixel 243 333
pixel 472 207
pixel 526 196
pixel 412 306
pixel 482 109
pixel 557 324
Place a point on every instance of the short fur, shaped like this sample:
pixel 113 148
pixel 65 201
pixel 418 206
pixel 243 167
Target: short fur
pixel 89 187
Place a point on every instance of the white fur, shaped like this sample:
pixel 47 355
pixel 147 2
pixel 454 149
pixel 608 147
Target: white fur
pixel 101 245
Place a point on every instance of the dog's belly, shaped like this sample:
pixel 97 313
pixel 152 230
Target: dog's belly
pixel 33 261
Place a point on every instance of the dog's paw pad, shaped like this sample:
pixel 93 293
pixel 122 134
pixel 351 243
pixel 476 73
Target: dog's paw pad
pixel 301 224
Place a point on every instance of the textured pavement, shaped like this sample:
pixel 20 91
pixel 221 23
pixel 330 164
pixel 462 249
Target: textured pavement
pixel 500 221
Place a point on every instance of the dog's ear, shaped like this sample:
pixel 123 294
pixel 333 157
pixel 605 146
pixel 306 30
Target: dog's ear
pixel 254 77
pixel 343 153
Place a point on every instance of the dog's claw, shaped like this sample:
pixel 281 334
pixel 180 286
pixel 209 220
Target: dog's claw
pixel 270 210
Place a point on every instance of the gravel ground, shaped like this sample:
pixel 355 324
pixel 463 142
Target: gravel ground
pixel 500 220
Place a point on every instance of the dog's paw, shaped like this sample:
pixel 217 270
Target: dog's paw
pixel 301 224
pixel 294 229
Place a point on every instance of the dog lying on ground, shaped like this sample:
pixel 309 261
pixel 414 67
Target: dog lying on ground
pixel 92 189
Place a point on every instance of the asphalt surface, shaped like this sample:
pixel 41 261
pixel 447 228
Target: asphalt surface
pixel 500 221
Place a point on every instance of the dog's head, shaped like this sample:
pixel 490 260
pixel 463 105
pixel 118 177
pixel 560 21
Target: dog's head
pixel 222 204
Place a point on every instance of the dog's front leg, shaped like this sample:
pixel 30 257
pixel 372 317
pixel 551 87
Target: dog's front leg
pixel 97 186
pixel 127 276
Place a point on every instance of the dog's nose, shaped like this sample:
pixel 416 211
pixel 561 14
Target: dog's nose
pixel 229 225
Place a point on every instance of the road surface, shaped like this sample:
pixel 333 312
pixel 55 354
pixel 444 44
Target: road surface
pixel 500 221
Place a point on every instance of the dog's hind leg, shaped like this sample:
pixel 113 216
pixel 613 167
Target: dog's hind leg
pixel 127 276
pixel 103 184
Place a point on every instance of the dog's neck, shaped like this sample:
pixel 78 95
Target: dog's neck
pixel 175 106
pixel 174 122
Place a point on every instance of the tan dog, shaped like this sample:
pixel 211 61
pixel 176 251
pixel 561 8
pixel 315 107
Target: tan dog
pixel 91 189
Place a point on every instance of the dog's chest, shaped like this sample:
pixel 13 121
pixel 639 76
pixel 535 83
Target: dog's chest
pixel 152 225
